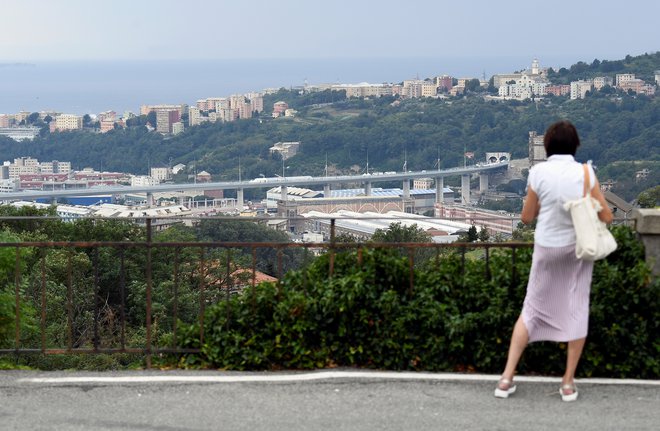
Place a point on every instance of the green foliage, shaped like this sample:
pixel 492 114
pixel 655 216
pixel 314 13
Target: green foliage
pixel 649 198
pixel 457 316
pixel 8 303
pixel 398 232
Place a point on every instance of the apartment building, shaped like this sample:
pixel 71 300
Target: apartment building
pixel 146 109
pixel 412 88
pixel 364 89
pixel 257 101
pixel 245 110
pixel 109 124
pixel 580 88
pixel 177 128
pixel 444 83
pixel 638 86
pixel 422 183
pixel 68 122
pixel 602 81
pixel 165 119
pixel 107 115
pixel 225 115
pixel 55 167
pixel 162 173
pixel 6 120
pixel 558 90
pixel 143 181
pixel 429 89
pixel 23 165
pixel 624 77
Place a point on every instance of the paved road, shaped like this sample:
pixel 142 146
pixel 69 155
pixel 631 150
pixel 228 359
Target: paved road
pixel 336 400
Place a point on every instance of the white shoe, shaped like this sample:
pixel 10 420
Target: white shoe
pixel 504 393
pixel 568 397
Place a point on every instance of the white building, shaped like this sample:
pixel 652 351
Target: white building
pixel 602 81
pixel 68 122
pixel 194 115
pixel 143 181
pixel 624 77
pixel 177 128
pixel 160 174
pixel 55 167
pixel 8 186
pixel 286 149
pixel 20 133
pixel 580 88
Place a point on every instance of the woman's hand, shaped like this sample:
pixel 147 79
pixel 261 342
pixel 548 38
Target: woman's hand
pixel 605 214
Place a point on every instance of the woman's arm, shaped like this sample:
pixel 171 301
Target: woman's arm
pixel 531 207
pixel 605 214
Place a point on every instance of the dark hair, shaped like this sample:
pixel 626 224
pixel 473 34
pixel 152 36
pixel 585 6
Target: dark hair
pixel 561 138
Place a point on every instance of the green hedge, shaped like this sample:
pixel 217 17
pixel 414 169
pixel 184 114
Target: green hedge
pixel 458 316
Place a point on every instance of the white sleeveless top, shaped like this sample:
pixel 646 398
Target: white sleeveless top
pixel 556 181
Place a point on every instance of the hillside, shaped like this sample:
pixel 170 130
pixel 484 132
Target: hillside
pixel 613 128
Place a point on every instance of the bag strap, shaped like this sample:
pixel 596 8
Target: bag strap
pixel 586 180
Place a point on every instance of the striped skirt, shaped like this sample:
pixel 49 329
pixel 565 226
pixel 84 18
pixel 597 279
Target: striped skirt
pixel 556 306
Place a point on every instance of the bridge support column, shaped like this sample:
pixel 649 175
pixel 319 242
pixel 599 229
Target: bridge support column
pixel 150 199
pixel 239 199
pixel 326 191
pixel 465 189
pixel 439 190
pixel 285 192
pixel 367 189
pixel 406 189
pixel 483 183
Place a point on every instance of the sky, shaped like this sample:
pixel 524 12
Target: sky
pixel 567 30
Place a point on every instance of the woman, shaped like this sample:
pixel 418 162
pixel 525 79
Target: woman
pixel 556 306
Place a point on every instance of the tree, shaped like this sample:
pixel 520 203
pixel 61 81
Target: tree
pixel 484 236
pixel 151 118
pixel 649 198
pixel 32 118
pixel 398 233
pixel 86 120
pixel 473 85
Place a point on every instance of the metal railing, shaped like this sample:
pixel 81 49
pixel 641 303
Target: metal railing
pixel 209 276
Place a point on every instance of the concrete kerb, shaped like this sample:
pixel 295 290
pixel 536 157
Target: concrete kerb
pixel 292 377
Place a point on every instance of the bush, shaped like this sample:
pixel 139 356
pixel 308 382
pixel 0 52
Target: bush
pixel 458 316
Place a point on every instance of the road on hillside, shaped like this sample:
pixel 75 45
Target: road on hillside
pixel 343 403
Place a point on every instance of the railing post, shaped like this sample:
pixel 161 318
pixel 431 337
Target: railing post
pixel 175 306
pixel 331 269
pixel 17 281
pixel 69 301
pixel 148 293
pixel 202 301
pixel 43 300
pixel 411 268
pixel 122 292
pixel 97 295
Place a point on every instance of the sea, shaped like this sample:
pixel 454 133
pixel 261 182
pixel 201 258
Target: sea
pixel 90 87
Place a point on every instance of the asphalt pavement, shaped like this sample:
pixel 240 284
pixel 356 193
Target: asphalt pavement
pixel 325 400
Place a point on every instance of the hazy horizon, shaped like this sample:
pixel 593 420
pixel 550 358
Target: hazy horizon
pixel 34 30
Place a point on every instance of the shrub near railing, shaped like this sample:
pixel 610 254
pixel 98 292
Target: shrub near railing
pixel 457 316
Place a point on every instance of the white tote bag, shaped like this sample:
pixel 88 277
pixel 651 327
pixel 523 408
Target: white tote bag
pixel 593 240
